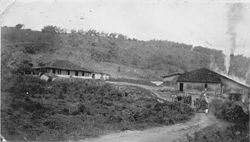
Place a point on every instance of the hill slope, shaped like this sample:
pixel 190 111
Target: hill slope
pixel 113 53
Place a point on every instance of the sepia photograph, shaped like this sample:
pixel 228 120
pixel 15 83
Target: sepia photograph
pixel 125 70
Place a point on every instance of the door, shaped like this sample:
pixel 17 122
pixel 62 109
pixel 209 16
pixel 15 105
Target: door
pixel 181 87
pixel 205 86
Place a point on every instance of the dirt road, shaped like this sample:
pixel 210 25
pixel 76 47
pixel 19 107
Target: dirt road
pixel 160 134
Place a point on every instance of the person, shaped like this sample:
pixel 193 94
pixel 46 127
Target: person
pixel 205 100
pixel 174 97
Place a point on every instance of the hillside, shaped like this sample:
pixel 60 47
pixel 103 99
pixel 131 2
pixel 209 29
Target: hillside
pixel 112 53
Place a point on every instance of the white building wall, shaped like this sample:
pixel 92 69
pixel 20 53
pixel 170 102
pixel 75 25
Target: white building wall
pixel 98 76
pixel 105 76
pixel 83 77
pixel 64 74
pixel 213 88
pixel 72 73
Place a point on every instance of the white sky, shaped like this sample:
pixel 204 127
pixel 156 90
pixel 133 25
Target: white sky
pixel 202 22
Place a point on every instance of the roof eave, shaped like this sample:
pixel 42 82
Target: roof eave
pixel 60 68
pixel 199 81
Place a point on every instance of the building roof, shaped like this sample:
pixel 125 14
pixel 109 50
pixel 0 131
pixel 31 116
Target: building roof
pixel 64 64
pixel 237 82
pixel 202 75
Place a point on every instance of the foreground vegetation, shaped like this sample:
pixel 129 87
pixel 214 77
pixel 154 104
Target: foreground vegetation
pixel 62 110
pixel 236 131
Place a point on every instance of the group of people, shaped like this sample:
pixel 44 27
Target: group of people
pixel 184 99
pixel 201 104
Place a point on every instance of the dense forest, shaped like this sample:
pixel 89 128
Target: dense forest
pixel 110 52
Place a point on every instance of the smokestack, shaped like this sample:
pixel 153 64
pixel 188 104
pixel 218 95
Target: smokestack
pixel 234 17
pixel 231 58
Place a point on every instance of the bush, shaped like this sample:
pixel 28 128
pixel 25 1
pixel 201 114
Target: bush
pixel 214 133
pixel 237 131
pixel 61 110
pixel 229 111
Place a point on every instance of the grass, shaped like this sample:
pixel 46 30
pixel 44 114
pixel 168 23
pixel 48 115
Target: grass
pixel 64 110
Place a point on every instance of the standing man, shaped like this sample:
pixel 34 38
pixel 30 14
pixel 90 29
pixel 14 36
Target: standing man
pixel 204 100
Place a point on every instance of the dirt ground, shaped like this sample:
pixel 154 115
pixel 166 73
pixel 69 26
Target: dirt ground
pixel 170 133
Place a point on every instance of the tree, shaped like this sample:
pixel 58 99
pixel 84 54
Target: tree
pixel 60 30
pixel 19 26
pixel 19 62
pixel 49 29
pixel 122 37
pixel 92 32
pixel 113 35
pixel 53 29
pixel 73 31
pixel 81 32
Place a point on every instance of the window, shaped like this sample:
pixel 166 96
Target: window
pixel 76 73
pixel 68 72
pixel 53 71
pixel 206 86
pixel 82 73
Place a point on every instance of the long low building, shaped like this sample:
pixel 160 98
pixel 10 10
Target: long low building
pixel 203 78
pixel 66 69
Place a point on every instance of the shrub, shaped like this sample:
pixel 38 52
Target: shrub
pixel 236 131
pixel 229 111
pixel 214 133
pixel 63 109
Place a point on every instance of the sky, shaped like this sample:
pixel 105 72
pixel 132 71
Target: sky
pixel 203 22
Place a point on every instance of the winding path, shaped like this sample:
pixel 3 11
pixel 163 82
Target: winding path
pixel 159 134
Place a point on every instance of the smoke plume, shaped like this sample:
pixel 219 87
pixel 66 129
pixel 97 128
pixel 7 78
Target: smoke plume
pixel 235 15
pixel 248 76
